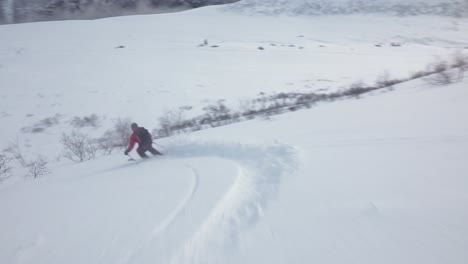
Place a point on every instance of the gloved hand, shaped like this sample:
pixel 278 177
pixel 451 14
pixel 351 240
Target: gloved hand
pixel 126 152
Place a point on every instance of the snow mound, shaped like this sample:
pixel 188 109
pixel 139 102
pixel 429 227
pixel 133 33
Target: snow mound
pixel 456 8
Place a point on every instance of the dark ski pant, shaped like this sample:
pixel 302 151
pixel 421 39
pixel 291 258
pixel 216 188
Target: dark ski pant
pixel 142 149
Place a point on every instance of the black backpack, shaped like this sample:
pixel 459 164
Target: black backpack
pixel 144 136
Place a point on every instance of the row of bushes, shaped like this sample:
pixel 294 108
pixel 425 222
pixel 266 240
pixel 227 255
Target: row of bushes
pixel 218 114
pixel 77 147
pixel 81 147
pixel 35 167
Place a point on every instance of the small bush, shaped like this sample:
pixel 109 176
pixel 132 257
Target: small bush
pixel 107 143
pixel 442 78
pixel 15 152
pixel 122 131
pixel 218 113
pixel 246 107
pixel 5 168
pixel 38 167
pixel 442 74
pixel 115 138
pixel 357 89
pixel 384 81
pixel 169 121
pixel 79 147
pixel 460 61
pixel 308 98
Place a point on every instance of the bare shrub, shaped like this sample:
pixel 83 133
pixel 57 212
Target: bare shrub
pixel 116 137
pixel 282 99
pixel 218 113
pixel 176 122
pixel 169 122
pixel 460 61
pixel 86 121
pixel 183 125
pixel 357 89
pixel 440 66
pixel 442 78
pixel 122 131
pixel 5 168
pixel 442 74
pixel 262 99
pixel 419 74
pixel 79 147
pixel 107 143
pixel 247 108
pixel 15 151
pixel 38 167
pixel 385 81
pixel 307 99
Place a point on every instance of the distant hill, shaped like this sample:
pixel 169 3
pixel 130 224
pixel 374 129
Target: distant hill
pixel 17 11
pixel 455 8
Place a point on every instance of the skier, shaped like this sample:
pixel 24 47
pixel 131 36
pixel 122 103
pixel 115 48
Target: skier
pixel 144 139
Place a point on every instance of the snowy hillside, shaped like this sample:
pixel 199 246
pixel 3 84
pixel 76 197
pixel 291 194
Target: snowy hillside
pixel 376 178
pixel 456 8
pixel 20 11
pixel 363 181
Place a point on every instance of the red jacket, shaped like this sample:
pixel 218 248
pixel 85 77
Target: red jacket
pixel 134 139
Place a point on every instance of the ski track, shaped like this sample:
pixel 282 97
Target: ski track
pixel 169 220
pixel 260 169
pixel 182 205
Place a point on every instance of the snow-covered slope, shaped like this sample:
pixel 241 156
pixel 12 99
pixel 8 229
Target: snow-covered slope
pixel 381 179
pixel 456 8
pixel 138 67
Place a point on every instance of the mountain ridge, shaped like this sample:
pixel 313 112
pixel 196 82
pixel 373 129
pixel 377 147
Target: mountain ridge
pixel 19 11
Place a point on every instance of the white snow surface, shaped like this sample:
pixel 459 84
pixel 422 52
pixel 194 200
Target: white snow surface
pixel 381 179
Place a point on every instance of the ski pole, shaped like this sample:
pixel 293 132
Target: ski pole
pixel 158 144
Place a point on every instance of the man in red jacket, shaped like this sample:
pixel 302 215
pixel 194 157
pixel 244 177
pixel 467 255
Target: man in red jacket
pixel 144 139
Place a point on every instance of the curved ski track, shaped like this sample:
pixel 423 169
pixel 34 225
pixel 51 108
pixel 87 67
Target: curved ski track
pixel 260 169
pixel 170 219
